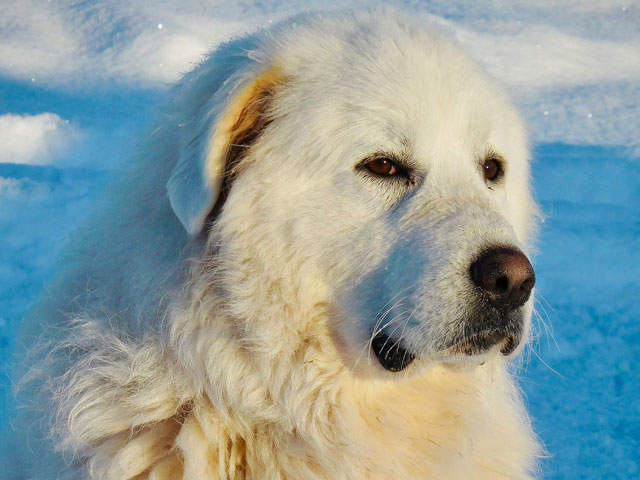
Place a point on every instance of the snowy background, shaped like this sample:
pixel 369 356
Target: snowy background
pixel 78 80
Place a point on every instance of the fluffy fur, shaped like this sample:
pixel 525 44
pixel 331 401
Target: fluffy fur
pixel 215 318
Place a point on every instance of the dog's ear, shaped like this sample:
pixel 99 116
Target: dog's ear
pixel 233 118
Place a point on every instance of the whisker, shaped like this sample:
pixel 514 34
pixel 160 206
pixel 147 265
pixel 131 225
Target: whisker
pixel 404 355
pixel 392 307
pixel 541 297
pixel 402 335
pixel 367 346
pixel 394 331
pixel 547 325
pixel 547 365
pixel 376 328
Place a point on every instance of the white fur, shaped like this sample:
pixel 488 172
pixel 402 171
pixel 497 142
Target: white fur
pixel 240 349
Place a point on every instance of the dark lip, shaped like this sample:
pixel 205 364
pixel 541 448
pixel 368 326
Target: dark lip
pixel 483 341
pixel 390 353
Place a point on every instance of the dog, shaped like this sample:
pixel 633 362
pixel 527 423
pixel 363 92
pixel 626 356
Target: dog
pixel 316 269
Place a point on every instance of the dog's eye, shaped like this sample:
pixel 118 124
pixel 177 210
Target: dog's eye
pixel 492 169
pixel 382 166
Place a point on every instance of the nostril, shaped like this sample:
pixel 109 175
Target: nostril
pixel 502 285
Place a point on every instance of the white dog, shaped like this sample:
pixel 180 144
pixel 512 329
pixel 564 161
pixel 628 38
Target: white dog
pixel 315 271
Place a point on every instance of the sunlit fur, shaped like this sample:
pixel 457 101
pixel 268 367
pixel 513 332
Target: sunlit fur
pixel 241 350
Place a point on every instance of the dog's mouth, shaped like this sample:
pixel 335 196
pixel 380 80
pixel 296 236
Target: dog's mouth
pixel 395 357
pixel 481 342
pixel 390 353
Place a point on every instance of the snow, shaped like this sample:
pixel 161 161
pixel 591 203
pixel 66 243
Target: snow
pixel 35 139
pixel 564 55
pixel 572 67
pixel 583 390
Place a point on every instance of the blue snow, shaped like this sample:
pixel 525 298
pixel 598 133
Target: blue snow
pixel 584 390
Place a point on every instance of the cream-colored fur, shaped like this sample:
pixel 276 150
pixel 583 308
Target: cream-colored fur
pixel 236 344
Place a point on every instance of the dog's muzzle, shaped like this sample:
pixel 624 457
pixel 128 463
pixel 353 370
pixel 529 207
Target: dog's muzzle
pixel 503 279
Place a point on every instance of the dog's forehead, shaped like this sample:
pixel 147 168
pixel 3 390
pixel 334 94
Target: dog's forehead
pixel 396 83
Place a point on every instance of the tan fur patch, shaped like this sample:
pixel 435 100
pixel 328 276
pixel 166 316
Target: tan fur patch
pixel 243 120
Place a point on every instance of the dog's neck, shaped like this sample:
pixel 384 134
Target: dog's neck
pixel 290 395
pixel 285 407
pixel 395 430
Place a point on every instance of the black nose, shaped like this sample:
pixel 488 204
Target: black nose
pixel 505 276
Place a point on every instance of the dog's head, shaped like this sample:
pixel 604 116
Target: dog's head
pixel 366 167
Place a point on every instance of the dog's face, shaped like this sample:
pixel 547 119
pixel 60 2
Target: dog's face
pixel 386 178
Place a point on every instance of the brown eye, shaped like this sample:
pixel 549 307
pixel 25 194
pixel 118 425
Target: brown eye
pixel 382 166
pixel 492 169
